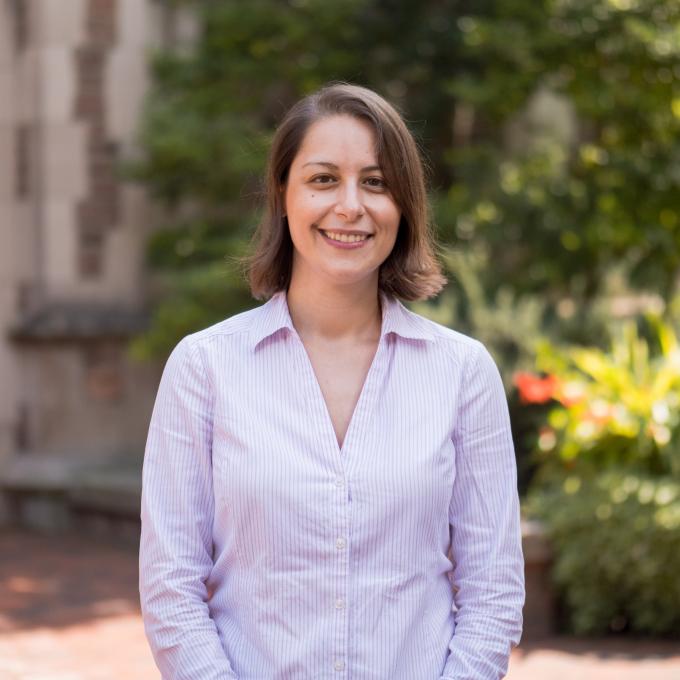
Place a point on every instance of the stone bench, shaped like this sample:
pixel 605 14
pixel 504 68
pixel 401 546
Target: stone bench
pixel 51 493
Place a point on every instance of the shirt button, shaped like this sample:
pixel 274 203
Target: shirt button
pixel 339 665
pixel 340 544
pixel 339 603
pixel 339 481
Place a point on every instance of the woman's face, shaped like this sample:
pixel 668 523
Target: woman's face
pixel 343 220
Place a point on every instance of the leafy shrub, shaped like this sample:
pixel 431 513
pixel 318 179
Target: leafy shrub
pixel 608 486
pixel 612 408
pixel 617 543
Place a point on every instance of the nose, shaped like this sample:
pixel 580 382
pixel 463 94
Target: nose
pixel 349 204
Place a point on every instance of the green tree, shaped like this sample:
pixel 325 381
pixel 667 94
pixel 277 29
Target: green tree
pixel 550 214
pixel 563 213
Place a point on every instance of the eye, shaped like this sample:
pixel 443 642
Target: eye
pixel 322 179
pixel 376 182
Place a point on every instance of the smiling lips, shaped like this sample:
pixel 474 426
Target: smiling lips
pixel 343 237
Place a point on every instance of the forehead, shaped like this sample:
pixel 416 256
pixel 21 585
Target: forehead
pixel 339 139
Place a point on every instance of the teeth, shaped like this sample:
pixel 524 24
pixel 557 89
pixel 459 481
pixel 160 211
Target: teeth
pixel 345 238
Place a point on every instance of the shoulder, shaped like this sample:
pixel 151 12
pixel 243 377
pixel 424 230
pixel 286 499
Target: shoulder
pixel 456 352
pixel 233 332
pixel 450 341
pixel 238 325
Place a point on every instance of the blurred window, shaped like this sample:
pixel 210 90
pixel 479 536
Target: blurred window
pixel 21 21
pixel 22 161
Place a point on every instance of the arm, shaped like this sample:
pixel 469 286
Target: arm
pixel 488 570
pixel 175 555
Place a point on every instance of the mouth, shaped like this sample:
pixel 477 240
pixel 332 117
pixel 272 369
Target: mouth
pixel 346 236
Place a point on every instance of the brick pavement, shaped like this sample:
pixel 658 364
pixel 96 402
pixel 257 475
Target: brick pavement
pixel 69 611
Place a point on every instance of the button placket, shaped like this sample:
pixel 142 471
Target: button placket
pixel 339 604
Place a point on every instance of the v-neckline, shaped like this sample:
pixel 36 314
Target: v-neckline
pixel 329 428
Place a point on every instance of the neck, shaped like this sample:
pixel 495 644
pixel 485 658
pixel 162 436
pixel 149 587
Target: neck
pixel 335 313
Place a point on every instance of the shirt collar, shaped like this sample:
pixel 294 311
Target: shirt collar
pixel 398 320
pixel 270 318
pixel 273 316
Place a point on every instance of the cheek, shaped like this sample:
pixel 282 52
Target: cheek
pixel 305 203
pixel 388 210
pixel 392 216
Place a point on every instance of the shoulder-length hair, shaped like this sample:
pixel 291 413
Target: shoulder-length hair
pixel 411 271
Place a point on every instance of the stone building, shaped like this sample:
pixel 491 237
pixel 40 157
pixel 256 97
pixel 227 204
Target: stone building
pixel 73 74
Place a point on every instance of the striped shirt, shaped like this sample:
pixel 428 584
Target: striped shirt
pixel 269 553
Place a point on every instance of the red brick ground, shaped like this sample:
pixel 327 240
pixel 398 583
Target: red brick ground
pixel 69 611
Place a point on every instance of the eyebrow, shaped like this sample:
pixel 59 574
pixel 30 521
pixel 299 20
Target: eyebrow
pixel 333 166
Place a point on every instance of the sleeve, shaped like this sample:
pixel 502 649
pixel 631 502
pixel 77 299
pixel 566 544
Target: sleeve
pixel 175 557
pixel 488 572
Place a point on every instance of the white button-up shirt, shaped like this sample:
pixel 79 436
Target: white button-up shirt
pixel 269 553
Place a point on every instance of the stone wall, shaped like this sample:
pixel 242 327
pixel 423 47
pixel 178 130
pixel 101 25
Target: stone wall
pixel 72 283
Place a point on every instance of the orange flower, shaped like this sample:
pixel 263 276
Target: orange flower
pixel 533 389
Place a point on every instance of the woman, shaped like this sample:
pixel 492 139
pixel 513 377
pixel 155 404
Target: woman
pixel 312 463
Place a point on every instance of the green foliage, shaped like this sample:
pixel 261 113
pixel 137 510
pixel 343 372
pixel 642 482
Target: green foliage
pixel 549 208
pixel 617 407
pixel 560 204
pixel 617 546
pixel 509 325
pixel 197 282
pixel 193 300
pixel 608 488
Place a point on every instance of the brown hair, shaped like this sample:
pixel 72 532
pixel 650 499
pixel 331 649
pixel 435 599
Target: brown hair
pixel 411 271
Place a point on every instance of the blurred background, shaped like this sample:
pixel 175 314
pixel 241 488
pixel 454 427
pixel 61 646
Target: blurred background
pixel 133 135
